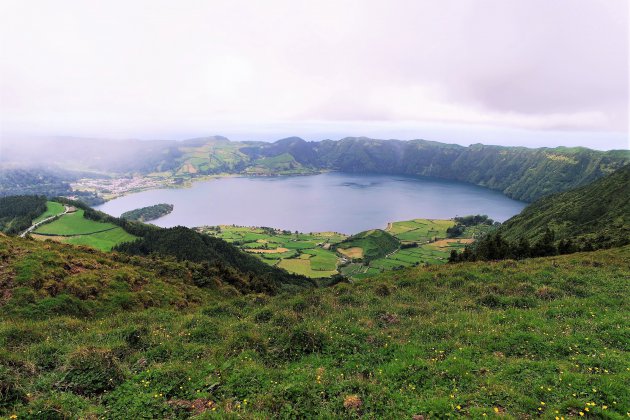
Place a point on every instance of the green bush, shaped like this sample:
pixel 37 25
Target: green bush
pixel 91 371
pixel 303 340
pixel 10 390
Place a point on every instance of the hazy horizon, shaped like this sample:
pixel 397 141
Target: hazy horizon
pixel 450 134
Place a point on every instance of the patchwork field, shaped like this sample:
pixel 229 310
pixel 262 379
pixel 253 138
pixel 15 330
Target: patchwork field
pixel 74 228
pixel 301 253
pixel 317 255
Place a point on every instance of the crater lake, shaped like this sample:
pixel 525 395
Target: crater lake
pixel 340 202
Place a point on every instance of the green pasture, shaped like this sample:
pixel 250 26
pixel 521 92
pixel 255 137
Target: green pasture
pixel 99 235
pixel 52 209
pixel 73 224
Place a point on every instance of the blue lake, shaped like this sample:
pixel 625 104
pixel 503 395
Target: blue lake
pixel 340 202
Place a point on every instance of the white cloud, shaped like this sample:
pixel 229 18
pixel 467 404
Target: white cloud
pixel 71 66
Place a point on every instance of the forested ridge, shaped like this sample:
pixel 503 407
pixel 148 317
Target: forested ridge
pixel 518 172
pixel 17 212
pixel 594 216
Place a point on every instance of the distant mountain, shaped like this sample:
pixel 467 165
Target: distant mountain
pixel 518 172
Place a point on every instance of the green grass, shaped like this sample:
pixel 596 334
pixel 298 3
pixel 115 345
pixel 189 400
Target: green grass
pixel 375 243
pixel 103 241
pixel 419 230
pixel 303 266
pixel 99 235
pixel 322 260
pixel 86 335
pixel 73 224
pixel 52 208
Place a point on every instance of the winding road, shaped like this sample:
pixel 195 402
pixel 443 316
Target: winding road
pixel 41 222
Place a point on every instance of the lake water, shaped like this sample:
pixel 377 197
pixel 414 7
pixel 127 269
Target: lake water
pixel 338 202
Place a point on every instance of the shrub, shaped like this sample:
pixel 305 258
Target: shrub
pixel 349 300
pixel 91 371
pixel 547 293
pixel 10 391
pixel 47 356
pixel 264 315
pixel 18 336
pixel 382 290
pixel 136 337
pixel 490 300
pixel 304 340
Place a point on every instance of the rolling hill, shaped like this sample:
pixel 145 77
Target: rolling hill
pixel 368 245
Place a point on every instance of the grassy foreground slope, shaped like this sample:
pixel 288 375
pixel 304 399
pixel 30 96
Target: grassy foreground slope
pixel 598 212
pixel 87 334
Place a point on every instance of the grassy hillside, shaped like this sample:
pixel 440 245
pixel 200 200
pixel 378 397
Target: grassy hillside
pixel 86 335
pixel 598 212
pixel 73 224
pixel 74 228
pixel 308 254
pixel 368 245
pixel 317 254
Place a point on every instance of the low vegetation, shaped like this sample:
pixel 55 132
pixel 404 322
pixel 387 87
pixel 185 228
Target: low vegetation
pixel 308 254
pixel 185 244
pixel 85 334
pixel 53 208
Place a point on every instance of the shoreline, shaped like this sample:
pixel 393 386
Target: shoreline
pixel 170 183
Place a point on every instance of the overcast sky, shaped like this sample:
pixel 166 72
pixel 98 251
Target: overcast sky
pixel 529 72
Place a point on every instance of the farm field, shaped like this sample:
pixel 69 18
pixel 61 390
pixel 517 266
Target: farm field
pixel 316 255
pixel 302 253
pixel 74 228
